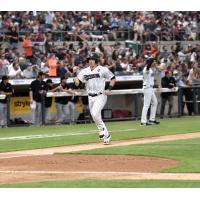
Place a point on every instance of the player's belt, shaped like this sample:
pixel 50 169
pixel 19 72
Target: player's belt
pixel 149 86
pixel 94 95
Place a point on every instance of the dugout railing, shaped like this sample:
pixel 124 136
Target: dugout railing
pixel 193 100
pixel 189 96
pixel 134 94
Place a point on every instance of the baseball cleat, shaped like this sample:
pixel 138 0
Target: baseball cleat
pixel 101 137
pixel 106 139
pixel 154 122
pixel 145 124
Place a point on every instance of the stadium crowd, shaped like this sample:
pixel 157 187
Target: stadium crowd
pixel 23 56
pixel 113 25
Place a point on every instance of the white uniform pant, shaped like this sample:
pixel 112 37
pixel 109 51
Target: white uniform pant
pixel 3 114
pixel 149 99
pixel 96 105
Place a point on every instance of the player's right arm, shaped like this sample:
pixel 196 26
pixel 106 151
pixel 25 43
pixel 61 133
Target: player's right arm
pixel 79 79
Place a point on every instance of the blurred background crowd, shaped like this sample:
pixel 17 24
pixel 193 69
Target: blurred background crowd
pixel 55 42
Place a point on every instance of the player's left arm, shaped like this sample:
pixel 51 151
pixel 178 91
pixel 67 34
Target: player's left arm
pixel 111 85
pixel 109 75
pixel 79 77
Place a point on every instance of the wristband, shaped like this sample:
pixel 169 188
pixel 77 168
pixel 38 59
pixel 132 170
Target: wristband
pixel 110 87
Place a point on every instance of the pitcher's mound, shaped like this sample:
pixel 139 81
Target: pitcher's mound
pixel 68 166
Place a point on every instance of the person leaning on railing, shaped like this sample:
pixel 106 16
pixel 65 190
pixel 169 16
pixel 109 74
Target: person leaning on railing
pixel 192 80
pixel 167 81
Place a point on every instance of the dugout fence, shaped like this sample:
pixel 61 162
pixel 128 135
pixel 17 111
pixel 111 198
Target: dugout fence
pixel 186 98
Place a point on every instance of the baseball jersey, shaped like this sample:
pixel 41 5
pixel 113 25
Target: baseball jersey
pixel 148 78
pixel 5 88
pixel 95 79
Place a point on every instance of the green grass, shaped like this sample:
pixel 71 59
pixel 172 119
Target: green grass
pixel 107 184
pixel 186 151
pixel 167 127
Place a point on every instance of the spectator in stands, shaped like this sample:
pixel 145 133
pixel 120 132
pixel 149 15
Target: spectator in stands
pixel 138 30
pixel 37 53
pixel 63 69
pixel 28 47
pixel 52 64
pixel 125 65
pixel 194 75
pixel 13 37
pixel 30 72
pixel 14 71
pixel 22 64
pixel 44 66
pixel 4 61
pixel 9 55
pixel 85 23
pixel 3 69
pixel 6 89
pixel 49 17
pixel 169 82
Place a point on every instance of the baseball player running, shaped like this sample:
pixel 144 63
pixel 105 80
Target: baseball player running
pixel 94 77
pixel 149 95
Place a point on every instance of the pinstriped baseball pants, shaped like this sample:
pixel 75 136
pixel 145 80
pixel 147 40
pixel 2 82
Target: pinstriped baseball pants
pixel 149 99
pixel 96 105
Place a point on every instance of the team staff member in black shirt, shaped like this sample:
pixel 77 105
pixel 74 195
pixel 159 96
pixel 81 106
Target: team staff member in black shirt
pixel 6 89
pixel 167 81
pixel 37 88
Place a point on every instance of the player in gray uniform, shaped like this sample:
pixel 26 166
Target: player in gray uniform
pixel 149 95
pixel 94 78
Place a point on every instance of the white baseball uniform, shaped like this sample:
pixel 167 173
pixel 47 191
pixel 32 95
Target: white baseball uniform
pixel 149 95
pixel 95 85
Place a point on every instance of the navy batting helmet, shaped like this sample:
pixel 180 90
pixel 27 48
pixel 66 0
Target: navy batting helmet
pixel 150 61
pixel 93 56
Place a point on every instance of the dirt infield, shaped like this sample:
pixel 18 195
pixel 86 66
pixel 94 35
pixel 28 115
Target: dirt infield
pixel 53 167
pixel 43 164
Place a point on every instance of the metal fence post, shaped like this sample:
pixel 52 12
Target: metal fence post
pixel 136 105
pixel 180 101
pixel 194 101
pixel 43 108
pixel 8 111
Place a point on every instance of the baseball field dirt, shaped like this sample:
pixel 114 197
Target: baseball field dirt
pixel 44 164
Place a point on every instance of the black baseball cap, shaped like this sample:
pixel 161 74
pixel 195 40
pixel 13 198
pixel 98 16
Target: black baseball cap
pixel 5 78
pixel 41 73
pixel 49 81
pixel 150 61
